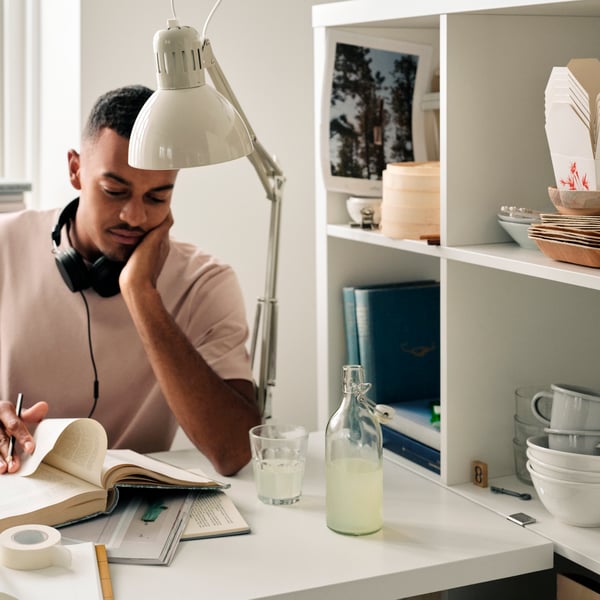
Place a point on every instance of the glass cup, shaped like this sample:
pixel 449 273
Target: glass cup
pixel 278 458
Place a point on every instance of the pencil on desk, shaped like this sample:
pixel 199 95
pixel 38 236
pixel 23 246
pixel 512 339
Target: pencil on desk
pixel 11 443
pixel 104 572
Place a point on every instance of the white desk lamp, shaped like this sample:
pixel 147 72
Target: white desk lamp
pixel 186 123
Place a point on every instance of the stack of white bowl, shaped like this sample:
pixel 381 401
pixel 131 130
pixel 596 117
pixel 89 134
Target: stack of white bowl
pixel 564 464
pixel 567 483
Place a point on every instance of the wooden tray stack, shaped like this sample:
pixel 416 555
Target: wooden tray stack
pixel 569 238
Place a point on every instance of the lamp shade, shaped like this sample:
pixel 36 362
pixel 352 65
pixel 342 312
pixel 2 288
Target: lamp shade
pixel 185 123
pixel 187 128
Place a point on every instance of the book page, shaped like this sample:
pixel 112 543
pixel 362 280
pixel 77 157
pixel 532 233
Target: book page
pixel 132 468
pixel 46 498
pixel 76 446
pixel 214 514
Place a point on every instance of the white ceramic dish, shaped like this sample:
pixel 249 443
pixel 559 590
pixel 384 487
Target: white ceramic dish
pixel 518 232
pixel 571 502
pixel 561 473
pixel 515 214
pixel 537 447
pixel 354 205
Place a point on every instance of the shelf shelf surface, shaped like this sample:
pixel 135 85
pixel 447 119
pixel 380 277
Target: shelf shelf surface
pixel 385 13
pixel 505 256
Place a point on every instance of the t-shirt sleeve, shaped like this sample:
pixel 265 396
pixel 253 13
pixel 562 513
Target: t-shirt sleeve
pixel 218 326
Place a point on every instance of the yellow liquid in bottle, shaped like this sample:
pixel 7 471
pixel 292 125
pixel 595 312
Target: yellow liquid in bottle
pixel 354 496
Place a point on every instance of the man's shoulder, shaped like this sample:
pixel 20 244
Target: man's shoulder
pixel 27 221
pixel 28 217
pixel 193 258
pixel 189 266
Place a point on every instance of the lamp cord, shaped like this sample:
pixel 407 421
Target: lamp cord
pixel 96 391
pixel 210 15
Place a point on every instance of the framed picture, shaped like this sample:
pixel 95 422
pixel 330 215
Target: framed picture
pixel 371 113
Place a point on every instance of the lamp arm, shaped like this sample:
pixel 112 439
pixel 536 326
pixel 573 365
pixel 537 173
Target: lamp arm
pixel 272 179
pixel 265 165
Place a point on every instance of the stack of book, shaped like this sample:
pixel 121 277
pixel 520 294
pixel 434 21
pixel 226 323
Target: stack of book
pixel 137 506
pixel 393 331
pixel 12 195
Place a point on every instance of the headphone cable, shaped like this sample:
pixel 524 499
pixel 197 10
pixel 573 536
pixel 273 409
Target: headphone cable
pixel 96 392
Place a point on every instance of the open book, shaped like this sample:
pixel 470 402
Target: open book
pixel 72 476
pixel 147 525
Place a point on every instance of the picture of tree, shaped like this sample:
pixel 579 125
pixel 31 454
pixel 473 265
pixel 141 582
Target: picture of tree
pixel 370 120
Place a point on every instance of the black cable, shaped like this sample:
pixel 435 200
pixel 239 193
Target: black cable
pixel 96 391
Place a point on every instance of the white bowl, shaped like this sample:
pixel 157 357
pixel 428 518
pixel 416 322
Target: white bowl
pixel 355 204
pixel 544 468
pixel 518 232
pixel 537 447
pixel 571 502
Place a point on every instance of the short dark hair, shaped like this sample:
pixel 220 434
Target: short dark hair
pixel 116 110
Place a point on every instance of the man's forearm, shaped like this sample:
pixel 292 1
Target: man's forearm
pixel 215 414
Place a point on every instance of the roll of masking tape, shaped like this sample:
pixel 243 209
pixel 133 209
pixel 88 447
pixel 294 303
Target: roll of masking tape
pixel 28 547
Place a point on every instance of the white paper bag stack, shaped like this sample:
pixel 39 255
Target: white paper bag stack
pixel 572 105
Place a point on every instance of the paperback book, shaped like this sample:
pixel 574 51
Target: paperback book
pixel 148 524
pixel 145 528
pixel 72 476
pixel 411 449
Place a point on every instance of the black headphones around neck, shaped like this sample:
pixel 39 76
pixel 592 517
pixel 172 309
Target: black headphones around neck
pixel 102 275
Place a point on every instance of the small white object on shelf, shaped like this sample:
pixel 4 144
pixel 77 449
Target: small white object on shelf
pixel 355 206
pixel 519 233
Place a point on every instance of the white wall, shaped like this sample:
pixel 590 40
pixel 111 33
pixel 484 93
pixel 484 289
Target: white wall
pixel 265 49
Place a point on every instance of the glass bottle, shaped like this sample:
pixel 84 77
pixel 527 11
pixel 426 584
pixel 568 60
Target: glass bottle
pixel 354 460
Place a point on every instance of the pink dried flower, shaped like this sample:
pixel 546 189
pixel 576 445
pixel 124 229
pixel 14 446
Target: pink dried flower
pixel 574 181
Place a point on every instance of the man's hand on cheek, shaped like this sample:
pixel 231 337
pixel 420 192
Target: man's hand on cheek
pixel 146 262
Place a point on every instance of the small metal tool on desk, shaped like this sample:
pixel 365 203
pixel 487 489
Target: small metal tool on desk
pixel 521 495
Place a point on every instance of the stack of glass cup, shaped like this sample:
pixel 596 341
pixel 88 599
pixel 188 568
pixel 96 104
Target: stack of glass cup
pixel 525 425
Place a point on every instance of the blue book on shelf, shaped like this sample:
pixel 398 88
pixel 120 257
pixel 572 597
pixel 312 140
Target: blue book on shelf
pixel 411 449
pixel 350 325
pixel 399 341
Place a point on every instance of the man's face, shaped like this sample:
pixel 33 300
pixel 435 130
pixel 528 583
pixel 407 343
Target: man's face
pixel 118 203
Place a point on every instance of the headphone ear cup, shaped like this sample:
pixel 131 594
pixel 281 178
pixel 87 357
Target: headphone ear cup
pixel 104 276
pixel 73 270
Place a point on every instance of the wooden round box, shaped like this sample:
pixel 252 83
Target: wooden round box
pixel 411 200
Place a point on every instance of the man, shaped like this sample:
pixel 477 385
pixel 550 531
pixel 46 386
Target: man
pixel 168 349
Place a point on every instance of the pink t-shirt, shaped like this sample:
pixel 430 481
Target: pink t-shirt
pixel 44 350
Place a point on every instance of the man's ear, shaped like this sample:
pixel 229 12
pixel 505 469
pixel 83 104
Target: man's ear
pixel 74 164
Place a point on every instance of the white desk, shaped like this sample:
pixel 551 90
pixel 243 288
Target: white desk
pixel 432 539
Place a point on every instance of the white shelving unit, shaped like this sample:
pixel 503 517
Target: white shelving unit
pixel 509 316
